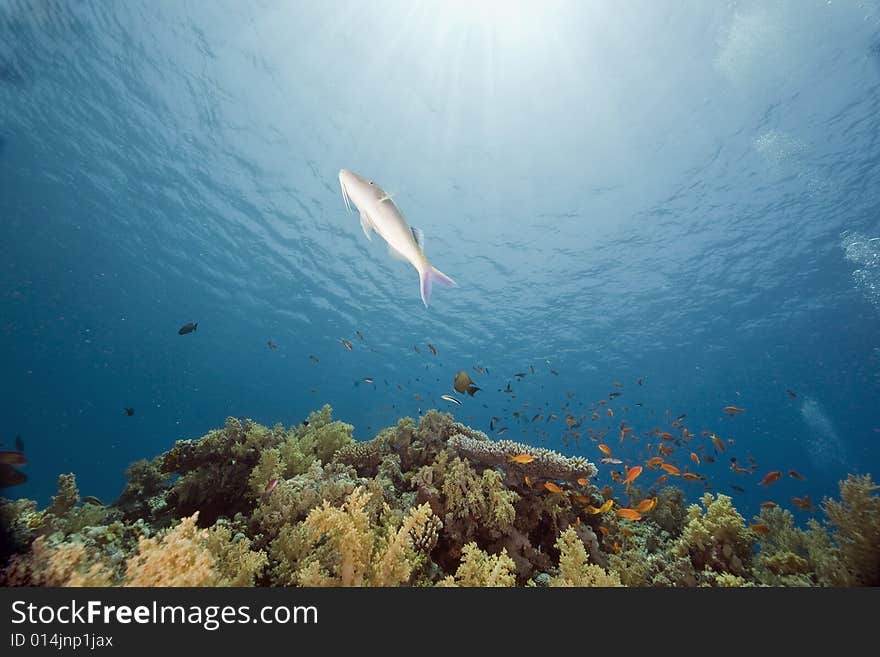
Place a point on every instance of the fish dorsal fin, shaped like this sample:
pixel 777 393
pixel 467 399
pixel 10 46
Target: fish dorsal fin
pixel 397 255
pixel 366 224
pixel 418 236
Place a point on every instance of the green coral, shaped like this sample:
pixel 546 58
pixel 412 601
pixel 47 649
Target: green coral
pixel 478 568
pixel 716 539
pixel 574 566
pixel 855 520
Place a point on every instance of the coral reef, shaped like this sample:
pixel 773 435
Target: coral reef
pixel 423 503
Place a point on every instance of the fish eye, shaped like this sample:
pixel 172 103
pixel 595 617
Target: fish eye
pixel 371 182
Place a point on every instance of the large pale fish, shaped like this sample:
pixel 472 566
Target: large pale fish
pixel 379 213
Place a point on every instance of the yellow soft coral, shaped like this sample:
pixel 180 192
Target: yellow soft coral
pixel 361 553
pixel 478 568
pixel 574 566
pixel 178 558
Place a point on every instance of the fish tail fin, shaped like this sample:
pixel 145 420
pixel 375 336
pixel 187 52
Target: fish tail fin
pixel 195 326
pixel 429 275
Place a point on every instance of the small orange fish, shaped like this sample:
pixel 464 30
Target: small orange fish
pixel 632 474
pixel 794 474
pixel 629 514
pixel 671 469
pixel 580 499
pixel 528 481
pixel 616 546
pixel 553 488
pixel 646 505
pixel 695 458
pixel 604 530
pixel 606 506
pixel 718 442
pixel 666 451
pixel 690 476
pixel 803 503
pixel 662 479
pixel 591 509
pixel 770 477
pixel 605 449
pixel 583 481
pixel 768 505
pixel 734 410
pixel 521 459
pixel 654 462
pixel 760 528
pixel 665 435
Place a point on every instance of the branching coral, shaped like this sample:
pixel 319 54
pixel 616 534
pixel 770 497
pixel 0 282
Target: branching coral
pixel 856 522
pixel 574 566
pixel 546 464
pixel 362 553
pixel 478 568
pixel 717 539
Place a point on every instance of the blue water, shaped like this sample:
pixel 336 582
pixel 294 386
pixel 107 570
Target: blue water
pixel 684 193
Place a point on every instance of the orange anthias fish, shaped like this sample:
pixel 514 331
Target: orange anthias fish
pixel 580 499
pixel 11 457
pixel 760 528
pixel 734 410
pixel 768 505
pixel 662 479
pixel 647 505
pixel 553 488
pixel 629 514
pixel 605 449
pixel 695 458
pixel 691 476
pixel 632 474
pixel 615 476
pixel 583 481
pixel 718 442
pixel 671 469
pixel 654 462
pixel 606 506
pixel 607 491
pixel 604 530
pixel 803 503
pixel 521 459
pixel 666 451
pixel 770 477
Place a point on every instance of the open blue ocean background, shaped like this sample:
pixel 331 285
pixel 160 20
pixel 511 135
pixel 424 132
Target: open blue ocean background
pixel 685 193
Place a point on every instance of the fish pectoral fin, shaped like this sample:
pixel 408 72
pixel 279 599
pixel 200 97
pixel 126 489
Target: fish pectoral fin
pixel 366 224
pixel 418 236
pixel 397 255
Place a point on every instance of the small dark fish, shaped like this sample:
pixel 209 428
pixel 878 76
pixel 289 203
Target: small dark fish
pixel 520 375
pixel 432 348
pixel 358 333
pixel 791 393
pixel 19 443
pixel 532 369
pixel 305 423
pixel 188 328
pixel 417 349
pixel 508 388
pixel 10 476
pixel 639 382
pixel 128 411
pixel 450 398
pixel 314 359
pixel 91 499
pixel 614 394
pixel 369 379
pixel 794 474
pixel 491 425
pixel 554 372
pixel 738 489
pixel 473 390
pixel 272 345
pixel 536 417
pixel 502 431
pixel 346 344
pixel 12 458
pixel 681 417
